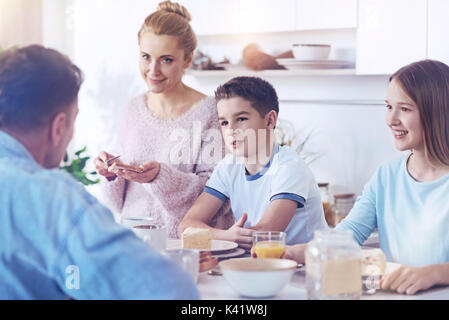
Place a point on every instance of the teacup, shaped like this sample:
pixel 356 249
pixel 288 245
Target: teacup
pixel 189 259
pixel 153 234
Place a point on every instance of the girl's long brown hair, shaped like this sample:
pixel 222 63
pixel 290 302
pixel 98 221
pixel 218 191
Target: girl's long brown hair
pixel 427 84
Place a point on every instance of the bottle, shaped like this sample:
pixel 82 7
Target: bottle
pixel 326 200
pixel 333 266
pixel 343 203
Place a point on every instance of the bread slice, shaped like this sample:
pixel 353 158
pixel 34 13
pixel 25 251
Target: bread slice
pixel 374 262
pixel 196 238
pixel 114 168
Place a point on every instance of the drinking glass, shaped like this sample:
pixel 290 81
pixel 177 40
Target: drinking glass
pixel 153 234
pixel 269 244
pixel 189 259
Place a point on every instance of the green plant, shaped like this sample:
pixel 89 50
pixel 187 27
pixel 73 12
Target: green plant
pixel 287 136
pixel 76 167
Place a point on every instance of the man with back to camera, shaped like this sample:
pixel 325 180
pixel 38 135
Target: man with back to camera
pixel 56 240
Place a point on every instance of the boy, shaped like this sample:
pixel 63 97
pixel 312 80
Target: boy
pixel 269 187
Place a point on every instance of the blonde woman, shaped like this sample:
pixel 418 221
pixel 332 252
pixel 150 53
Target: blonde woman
pixel 407 198
pixel 170 132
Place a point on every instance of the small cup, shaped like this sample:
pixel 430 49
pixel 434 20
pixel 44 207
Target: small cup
pixel 153 234
pixel 189 259
pixel 269 244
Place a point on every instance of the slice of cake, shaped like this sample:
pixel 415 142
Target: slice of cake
pixel 196 238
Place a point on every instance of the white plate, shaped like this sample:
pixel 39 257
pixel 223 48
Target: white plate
pixel 307 62
pixel 217 245
pixel 293 64
pixel 321 67
pixel 229 254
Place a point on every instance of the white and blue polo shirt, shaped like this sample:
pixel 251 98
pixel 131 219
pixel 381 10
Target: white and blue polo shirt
pixel 285 176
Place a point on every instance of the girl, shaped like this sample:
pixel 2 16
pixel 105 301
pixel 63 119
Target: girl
pixel 407 198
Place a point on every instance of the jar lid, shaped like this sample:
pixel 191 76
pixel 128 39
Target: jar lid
pixel 323 184
pixel 344 196
pixel 336 235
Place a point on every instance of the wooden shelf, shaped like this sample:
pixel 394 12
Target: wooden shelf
pixel 271 73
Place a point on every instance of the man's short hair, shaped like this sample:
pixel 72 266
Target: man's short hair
pixel 257 91
pixel 36 84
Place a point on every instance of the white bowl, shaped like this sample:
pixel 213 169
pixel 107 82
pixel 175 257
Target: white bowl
pixel 311 51
pixel 258 278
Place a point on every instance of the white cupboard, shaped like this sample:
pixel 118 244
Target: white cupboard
pixel 438 27
pixel 326 14
pixel 390 34
pixel 214 17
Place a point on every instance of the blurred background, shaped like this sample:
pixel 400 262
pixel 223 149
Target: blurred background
pixel 336 104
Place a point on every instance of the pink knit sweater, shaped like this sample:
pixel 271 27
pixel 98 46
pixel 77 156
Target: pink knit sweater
pixel 187 155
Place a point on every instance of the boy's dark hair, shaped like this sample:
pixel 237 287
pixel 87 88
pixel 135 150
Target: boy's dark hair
pixel 36 84
pixel 257 91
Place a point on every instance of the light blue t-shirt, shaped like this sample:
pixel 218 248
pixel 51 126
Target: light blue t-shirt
pixel 58 242
pixel 412 217
pixel 285 176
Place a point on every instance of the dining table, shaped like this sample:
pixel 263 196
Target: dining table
pixel 213 286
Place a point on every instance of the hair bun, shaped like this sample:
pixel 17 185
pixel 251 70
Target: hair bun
pixel 174 7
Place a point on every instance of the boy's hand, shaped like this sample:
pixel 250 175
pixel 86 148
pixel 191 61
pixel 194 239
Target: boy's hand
pixel 236 233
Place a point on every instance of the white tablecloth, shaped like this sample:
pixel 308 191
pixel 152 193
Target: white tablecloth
pixel 217 288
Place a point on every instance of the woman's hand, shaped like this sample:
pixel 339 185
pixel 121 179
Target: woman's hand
pixel 410 280
pixel 236 233
pixel 102 167
pixel 150 170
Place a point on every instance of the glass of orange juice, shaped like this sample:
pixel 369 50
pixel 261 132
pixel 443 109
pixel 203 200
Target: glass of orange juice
pixel 269 244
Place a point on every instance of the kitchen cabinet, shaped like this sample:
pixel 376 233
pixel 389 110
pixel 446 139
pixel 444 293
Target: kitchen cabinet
pixel 438 25
pixel 390 34
pixel 326 14
pixel 236 17
pixel 255 16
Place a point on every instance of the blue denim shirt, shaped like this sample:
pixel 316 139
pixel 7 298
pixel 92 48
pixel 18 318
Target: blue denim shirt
pixel 59 242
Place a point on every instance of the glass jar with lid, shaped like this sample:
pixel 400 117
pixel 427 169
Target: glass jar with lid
pixel 343 203
pixel 326 200
pixel 333 266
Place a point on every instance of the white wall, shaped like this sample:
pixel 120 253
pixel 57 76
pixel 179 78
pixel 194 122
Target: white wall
pixel 348 131
pixel 20 22
pixel 351 137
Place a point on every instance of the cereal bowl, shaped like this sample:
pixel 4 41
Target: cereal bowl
pixel 311 51
pixel 258 278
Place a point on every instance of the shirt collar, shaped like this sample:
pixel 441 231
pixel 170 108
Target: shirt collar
pixel 265 169
pixel 11 147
